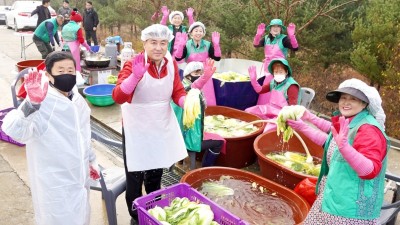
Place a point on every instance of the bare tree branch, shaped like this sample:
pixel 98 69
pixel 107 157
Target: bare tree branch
pixel 343 4
pixel 314 17
pixel 321 12
pixel 259 8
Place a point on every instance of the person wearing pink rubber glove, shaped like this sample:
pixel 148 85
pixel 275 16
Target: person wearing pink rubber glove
pixel 129 84
pixel 196 74
pixel 215 41
pixel 283 90
pixel 72 37
pixel 275 44
pixel 198 49
pixel 203 75
pixel 315 135
pixel 151 135
pixel 176 19
pixel 320 123
pixel 259 34
pixel 180 42
pixel 253 78
pixel 350 188
pixel 319 135
pixel 54 123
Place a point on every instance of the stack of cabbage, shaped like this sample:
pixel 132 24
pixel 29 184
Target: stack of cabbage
pixel 226 127
pixel 231 77
pixel 182 211
pixel 111 79
pixel 191 108
pixel 292 112
pixel 295 161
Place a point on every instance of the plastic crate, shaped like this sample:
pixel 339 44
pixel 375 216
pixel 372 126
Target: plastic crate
pixel 165 196
pixel 4 136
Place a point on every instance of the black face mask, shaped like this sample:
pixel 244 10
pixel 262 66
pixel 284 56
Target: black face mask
pixel 192 78
pixel 64 82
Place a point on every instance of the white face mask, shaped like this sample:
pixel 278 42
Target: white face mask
pixel 279 77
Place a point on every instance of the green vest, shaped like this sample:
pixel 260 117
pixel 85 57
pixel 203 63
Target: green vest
pixel 346 194
pixel 194 136
pixel 284 86
pixel 191 48
pixel 171 28
pixel 41 30
pixel 69 32
pixel 277 40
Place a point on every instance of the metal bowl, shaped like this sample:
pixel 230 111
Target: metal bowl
pixel 94 62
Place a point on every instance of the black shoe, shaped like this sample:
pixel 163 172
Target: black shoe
pixel 134 221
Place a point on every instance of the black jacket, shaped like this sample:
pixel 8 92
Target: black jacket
pixel 43 14
pixel 90 19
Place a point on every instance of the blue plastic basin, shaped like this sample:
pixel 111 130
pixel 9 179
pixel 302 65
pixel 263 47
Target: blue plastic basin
pixel 99 94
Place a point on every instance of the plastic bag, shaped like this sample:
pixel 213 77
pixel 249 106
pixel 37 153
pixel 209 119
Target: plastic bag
pixel 306 189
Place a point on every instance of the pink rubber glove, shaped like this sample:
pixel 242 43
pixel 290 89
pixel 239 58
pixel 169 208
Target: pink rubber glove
pixel 259 34
pixel 290 30
pixel 253 78
pixel 181 101
pixel 165 13
pixel 138 70
pixel 180 42
pixel 155 16
pixel 33 81
pixel 209 70
pixel 322 124
pixel 215 41
pixel 315 135
pixel 361 164
pixel 189 13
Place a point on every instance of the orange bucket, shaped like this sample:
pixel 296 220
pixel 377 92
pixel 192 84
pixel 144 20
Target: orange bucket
pixel 239 150
pixel 28 63
pixel 269 142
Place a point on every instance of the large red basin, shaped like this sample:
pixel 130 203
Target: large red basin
pixel 299 206
pixel 270 142
pixel 28 63
pixel 239 150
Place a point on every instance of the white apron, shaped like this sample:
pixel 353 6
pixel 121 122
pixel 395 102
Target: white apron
pixel 152 135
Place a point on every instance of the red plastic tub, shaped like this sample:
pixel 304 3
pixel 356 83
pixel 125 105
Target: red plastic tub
pixel 239 150
pixel 28 63
pixel 270 142
pixel 300 207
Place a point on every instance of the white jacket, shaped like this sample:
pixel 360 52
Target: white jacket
pixel 58 150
